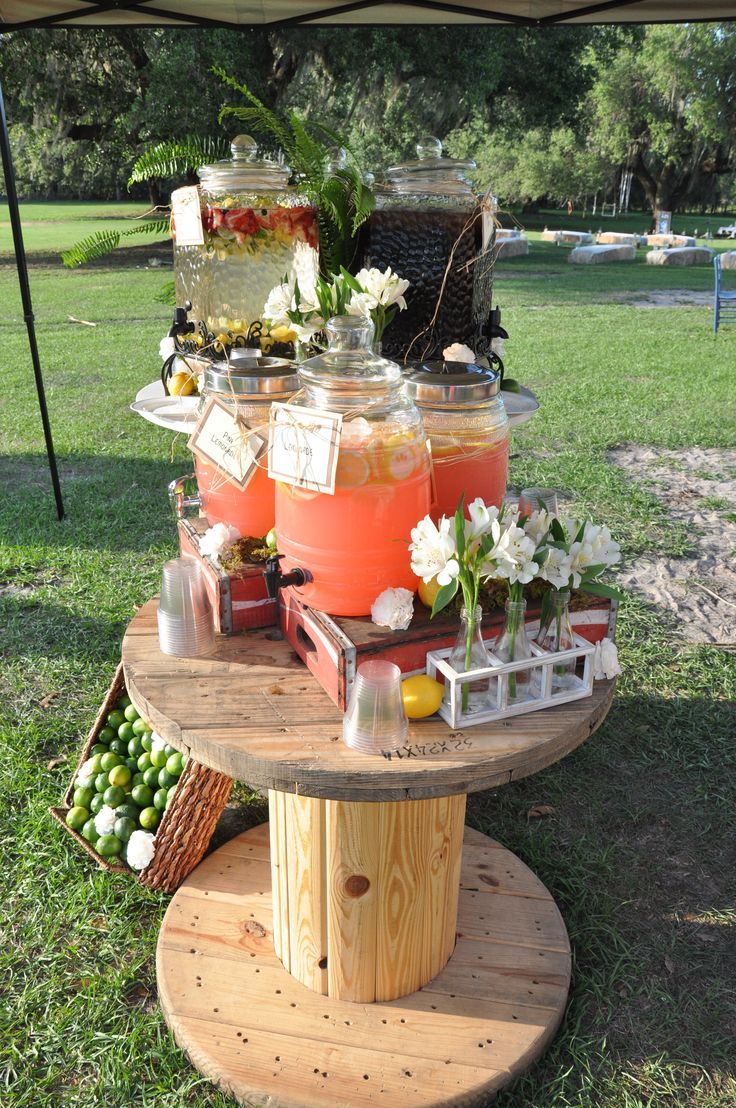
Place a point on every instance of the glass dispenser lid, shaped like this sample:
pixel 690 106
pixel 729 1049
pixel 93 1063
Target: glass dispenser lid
pixel 431 172
pixel 245 171
pixel 448 383
pixel 349 359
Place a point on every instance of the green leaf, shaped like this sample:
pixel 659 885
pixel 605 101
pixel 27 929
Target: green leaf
pixel 597 588
pixel 178 156
pixel 460 529
pixel 510 384
pixel 350 280
pixel 558 532
pixel 443 597
pixel 104 242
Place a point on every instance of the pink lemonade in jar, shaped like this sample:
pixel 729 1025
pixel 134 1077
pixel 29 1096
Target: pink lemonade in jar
pixel 470 470
pixel 251 510
pixel 355 543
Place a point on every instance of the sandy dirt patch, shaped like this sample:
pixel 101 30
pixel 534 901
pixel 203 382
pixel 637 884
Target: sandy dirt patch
pixel 698 488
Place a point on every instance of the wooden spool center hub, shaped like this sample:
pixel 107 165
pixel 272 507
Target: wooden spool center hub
pixel 365 894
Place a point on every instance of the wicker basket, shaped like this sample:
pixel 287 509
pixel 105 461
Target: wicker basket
pixel 186 826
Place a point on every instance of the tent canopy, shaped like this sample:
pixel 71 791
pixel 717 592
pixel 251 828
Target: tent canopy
pixel 241 14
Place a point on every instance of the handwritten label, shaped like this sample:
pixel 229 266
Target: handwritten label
pixel 187 214
pixel 233 447
pixel 303 446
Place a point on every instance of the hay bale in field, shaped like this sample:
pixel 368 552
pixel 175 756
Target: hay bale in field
pixel 503 233
pixel 570 238
pixel 617 238
pixel 728 259
pixel 681 255
pixel 512 248
pixel 597 255
pixel 669 240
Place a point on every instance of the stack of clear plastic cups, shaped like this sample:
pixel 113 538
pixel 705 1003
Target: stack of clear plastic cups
pixel 375 720
pixel 185 623
pixel 531 500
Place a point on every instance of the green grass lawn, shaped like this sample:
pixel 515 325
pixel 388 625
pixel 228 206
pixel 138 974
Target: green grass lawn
pixel 639 852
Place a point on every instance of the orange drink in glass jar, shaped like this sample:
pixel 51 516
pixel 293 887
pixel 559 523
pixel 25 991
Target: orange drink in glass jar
pixel 354 543
pixel 468 430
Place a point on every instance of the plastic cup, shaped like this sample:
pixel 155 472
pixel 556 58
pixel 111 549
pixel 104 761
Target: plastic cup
pixel 375 720
pixel 531 500
pixel 185 623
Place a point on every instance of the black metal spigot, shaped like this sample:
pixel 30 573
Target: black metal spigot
pixel 182 325
pixel 276 580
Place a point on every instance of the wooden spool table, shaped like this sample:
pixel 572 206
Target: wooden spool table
pixel 364 946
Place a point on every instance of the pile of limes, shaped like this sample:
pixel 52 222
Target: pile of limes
pixel 131 770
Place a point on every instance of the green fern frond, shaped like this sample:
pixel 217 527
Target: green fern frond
pixel 104 242
pixel 264 119
pixel 177 157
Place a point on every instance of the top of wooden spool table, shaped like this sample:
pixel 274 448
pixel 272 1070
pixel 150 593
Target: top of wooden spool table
pixel 253 710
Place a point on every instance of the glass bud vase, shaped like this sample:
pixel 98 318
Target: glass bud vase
pixel 512 645
pixel 555 633
pixel 469 652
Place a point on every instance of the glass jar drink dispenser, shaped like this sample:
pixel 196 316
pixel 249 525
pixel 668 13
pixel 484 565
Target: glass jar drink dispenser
pixel 428 215
pixel 247 387
pixel 468 430
pixel 354 544
pixel 256 229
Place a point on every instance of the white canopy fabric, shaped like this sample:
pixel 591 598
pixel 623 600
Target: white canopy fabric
pixel 235 14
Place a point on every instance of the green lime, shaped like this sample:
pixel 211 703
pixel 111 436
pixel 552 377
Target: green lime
pixel 113 796
pixel 106 735
pixel 175 764
pixel 77 816
pixel 101 782
pixel 170 750
pixel 90 832
pixel 144 762
pixel 143 796
pixel 119 746
pixel 98 801
pixel 110 760
pixel 124 828
pixel 131 713
pixel 132 764
pixel 125 732
pixel 83 797
pixel 115 719
pixel 166 779
pixel 135 747
pixel 120 775
pixel 98 748
pixel 140 726
pixel 95 763
pixel 170 796
pixel 138 779
pixel 159 799
pixel 149 818
pixel 147 740
pixel 123 702
pixel 128 811
pixel 150 777
pixel 108 845
pixel 158 758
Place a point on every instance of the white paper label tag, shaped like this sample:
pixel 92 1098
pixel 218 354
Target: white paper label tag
pixel 187 213
pixel 303 446
pixel 233 447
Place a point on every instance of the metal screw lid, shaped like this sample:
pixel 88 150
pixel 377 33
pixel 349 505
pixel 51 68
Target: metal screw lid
pixel 448 383
pixel 252 374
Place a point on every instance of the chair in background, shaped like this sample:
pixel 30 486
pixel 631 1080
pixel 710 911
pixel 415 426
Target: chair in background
pixel 724 303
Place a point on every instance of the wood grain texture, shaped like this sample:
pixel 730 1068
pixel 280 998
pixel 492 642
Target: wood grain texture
pixel 263 1037
pixel 253 711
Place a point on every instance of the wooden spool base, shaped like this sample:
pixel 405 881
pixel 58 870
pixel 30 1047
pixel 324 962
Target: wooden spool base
pixel 263 1037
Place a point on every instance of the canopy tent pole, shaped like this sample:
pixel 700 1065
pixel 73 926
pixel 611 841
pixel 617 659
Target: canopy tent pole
pixel 25 293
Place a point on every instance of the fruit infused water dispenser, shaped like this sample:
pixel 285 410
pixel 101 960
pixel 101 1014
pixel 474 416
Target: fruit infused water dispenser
pixel 256 228
pixel 430 227
pixel 354 543
pixel 246 387
pixel 468 430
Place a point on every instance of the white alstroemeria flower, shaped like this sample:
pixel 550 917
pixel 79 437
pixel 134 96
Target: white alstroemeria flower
pixel 383 286
pixel 581 556
pixel 605 661
pixel 605 550
pixel 140 849
pixel 482 518
pixel 278 304
pixel 512 557
pixel 393 608
pixel 166 348
pixel 458 352
pixel 105 820
pixel 306 331
pixel 537 526
pixel 361 303
pixel 433 552
pixel 217 540
pixel 557 568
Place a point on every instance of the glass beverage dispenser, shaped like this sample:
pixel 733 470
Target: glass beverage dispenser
pixel 355 543
pixel 428 215
pixel 256 229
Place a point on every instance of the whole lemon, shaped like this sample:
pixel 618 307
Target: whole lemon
pixel 428 591
pixel 181 384
pixel 422 696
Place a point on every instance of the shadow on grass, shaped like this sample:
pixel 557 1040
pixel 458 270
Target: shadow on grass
pixel 111 503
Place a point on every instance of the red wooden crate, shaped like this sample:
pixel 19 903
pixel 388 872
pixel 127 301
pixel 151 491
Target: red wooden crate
pixel 333 647
pixel 239 599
